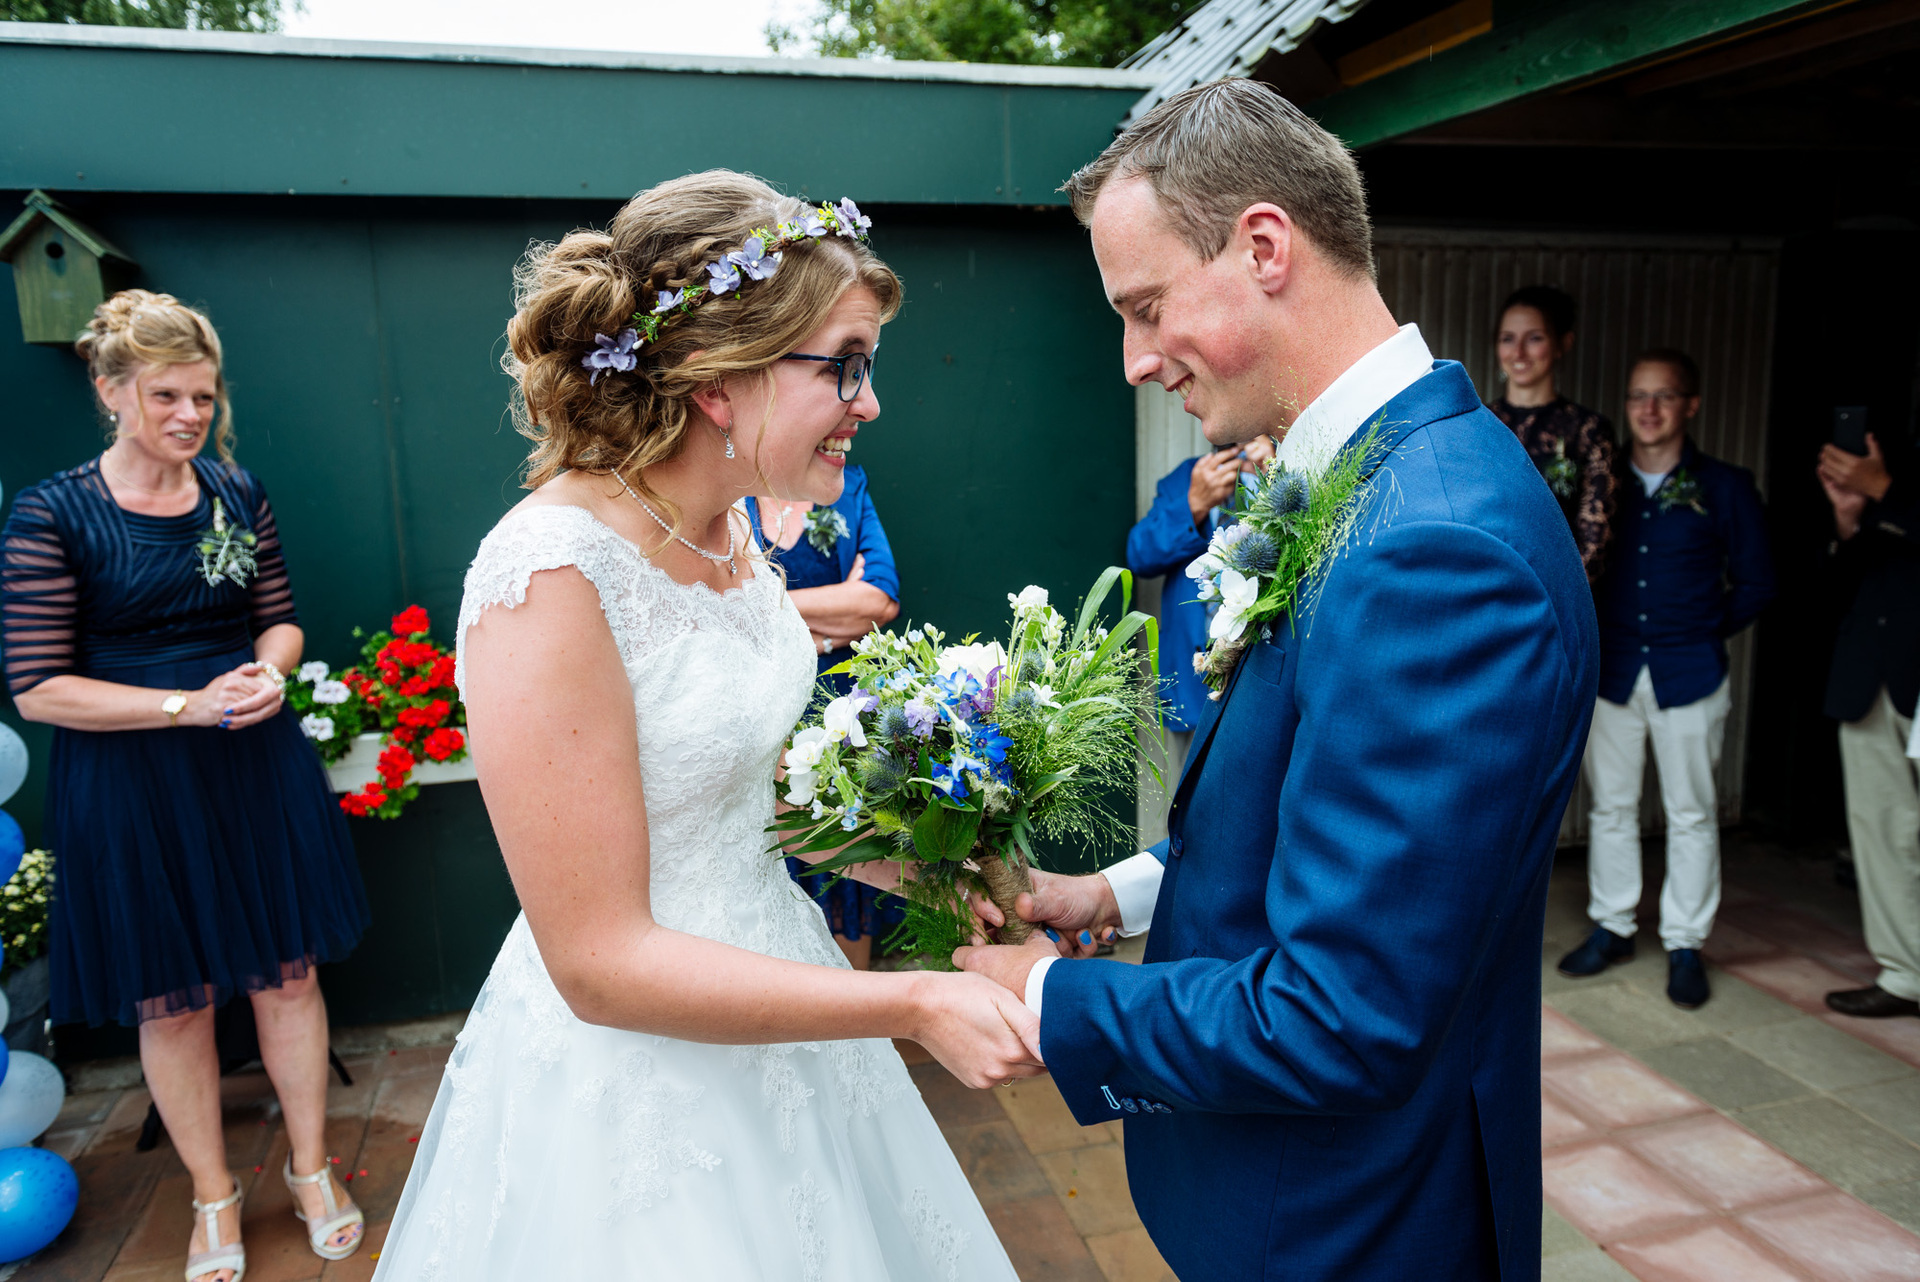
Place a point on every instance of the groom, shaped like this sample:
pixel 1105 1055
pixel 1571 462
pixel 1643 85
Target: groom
pixel 1329 1064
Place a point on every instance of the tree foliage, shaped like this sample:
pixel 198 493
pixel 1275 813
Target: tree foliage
pixel 187 15
pixel 1065 33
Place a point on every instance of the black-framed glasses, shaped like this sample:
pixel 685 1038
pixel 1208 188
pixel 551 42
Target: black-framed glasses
pixel 852 370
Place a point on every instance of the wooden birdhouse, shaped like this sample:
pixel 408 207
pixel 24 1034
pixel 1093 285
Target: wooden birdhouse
pixel 62 270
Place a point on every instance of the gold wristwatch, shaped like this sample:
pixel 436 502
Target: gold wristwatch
pixel 173 705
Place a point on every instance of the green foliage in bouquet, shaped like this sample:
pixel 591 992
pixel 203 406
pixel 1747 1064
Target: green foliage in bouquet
pixel 24 903
pixel 954 759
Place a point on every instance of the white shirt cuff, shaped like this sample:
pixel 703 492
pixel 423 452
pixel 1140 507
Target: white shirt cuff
pixel 1037 983
pixel 1136 888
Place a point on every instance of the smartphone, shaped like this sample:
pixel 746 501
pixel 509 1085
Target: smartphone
pixel 1850 428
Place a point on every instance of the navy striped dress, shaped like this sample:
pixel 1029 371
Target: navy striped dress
pixel 191 863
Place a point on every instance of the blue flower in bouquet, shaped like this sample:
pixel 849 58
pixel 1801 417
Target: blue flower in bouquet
pixel 951 779
pixel 959 689
pixel 851 819
pixel 992 747
pixel 922 717
pixel 865 700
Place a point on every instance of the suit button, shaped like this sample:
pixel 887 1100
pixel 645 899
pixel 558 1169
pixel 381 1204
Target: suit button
pixel 1643 649
pixel 1643 547
pixel 1643 618
pixel 1646 516
pixel 1176 847
pixel 1883 621
pixel 1643 583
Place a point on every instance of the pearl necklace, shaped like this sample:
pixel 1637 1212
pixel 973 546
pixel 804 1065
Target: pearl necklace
pixel 715 557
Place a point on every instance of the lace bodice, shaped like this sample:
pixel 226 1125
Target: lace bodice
pixel 719 681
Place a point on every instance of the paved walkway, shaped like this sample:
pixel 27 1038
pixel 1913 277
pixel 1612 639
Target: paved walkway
pixel 1758 1139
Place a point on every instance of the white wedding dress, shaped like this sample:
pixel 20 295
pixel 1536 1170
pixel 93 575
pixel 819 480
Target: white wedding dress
pixel 560 1149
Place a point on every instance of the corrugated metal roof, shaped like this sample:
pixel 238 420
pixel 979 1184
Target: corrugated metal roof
pixel 1228 38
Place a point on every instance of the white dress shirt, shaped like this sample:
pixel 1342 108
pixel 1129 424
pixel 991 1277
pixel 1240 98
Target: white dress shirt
pixel 1313 441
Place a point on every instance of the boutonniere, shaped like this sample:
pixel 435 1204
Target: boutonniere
pixel 1562 473
pixel 826 527
pixel 1680 489
pixel 1284 526
pixel 226 550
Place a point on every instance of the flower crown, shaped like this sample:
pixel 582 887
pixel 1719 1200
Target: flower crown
pixel 758 259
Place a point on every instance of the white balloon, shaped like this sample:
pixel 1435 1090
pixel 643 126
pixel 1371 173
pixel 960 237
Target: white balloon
pixel 30 1098
pixel 13 762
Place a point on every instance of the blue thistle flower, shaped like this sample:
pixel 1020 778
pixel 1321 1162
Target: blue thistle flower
pixel 1288 493
pixel 882 773
pixel 893 723
pixel 1256 554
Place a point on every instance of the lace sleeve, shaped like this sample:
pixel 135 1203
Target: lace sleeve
pixel 38 596
pixel 523 544
pixel 271 592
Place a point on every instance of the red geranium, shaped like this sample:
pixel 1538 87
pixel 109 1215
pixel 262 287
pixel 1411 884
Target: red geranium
pixel 444 742
pixel 364 802
pixel 410 622
pixel 431 715
pixel 395 764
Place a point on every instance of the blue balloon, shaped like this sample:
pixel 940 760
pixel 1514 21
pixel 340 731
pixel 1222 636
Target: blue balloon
pixel 38 1192
pixel 13 844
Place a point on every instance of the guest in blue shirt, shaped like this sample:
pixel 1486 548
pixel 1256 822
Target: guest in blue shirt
pixel 1186 510
pixel 1689 569
pixel 840 576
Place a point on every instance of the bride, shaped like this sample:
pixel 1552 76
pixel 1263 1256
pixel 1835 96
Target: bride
pixel 671 1072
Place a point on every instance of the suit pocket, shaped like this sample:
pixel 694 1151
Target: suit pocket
pixel 1266 663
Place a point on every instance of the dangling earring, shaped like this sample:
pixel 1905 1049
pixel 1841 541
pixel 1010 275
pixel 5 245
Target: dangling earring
pixel 729 436
pixel 113 417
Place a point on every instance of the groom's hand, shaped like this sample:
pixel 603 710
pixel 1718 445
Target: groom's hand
pixel 1080 912
pixel 1005 964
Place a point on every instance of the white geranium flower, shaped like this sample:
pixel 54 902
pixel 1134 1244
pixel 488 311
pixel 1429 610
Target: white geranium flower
pixel 331 692
pixel 977 661
pixel 1031 597
pixel 1238 593
pixel 310 671
pixel 842 721
pixel 317 728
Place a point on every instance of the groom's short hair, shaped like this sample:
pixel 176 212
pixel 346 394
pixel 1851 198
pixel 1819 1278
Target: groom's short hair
pixel 1213 150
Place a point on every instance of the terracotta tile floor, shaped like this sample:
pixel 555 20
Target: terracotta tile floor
pixel 1757 1139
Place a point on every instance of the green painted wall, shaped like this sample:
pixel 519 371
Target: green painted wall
pixel 363 338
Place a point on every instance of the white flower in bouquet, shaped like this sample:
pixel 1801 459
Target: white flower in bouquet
pixel 803 762
pixel 977 661
pixel 331 692
pixel 317 728
pixel 1031 597
pixel 841 720
pixel 1045 696
pixel 311 671
pixel 1238 593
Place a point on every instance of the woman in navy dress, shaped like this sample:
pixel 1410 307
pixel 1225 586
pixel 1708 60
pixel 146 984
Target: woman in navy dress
pixel 841 578
pixel 147 615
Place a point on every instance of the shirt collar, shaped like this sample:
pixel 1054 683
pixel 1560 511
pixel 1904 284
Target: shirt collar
pixel 1340 411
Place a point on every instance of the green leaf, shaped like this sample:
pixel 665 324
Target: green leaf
pixel 943 833
pixel 833 835
pixel 844 666
pixel 1097 595
pixel 865 851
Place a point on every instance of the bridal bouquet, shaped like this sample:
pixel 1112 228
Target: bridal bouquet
pixel 953 759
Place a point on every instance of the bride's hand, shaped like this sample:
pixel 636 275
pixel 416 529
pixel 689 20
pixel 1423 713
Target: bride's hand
pixel 978 1031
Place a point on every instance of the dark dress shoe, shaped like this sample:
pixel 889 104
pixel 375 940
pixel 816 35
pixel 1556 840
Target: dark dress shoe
pixel 1602 949
pixel 1871 1003
pixel 1687 979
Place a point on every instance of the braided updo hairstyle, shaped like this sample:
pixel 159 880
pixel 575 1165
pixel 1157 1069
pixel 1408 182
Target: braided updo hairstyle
pixel 593 282
pixel 136 328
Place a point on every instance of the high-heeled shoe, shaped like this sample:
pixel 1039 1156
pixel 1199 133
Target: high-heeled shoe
pixel 331 1221
pixel 218 1255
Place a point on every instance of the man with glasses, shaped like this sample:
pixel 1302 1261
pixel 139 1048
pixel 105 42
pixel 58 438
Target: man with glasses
pixel 1689 569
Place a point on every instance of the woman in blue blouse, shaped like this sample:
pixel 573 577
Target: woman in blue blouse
pixel 841 577
pixel 148 617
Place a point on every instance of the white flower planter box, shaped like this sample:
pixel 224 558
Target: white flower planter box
pixel 359 767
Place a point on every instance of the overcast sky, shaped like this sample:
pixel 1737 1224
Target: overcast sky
pixel 656 26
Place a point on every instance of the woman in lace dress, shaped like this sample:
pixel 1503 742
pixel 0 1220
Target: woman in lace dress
pixel 671 1071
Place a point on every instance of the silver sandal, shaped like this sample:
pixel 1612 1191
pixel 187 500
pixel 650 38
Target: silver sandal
pixel 217 1256
pixel 331 1221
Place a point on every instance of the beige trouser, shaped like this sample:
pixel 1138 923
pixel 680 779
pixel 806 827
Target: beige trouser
pixel 1686 752
pixel 1883 822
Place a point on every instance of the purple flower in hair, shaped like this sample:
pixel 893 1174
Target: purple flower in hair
pixel 723 277
pixel 814 226
pixel 612 354
pixel 852 222
pixel 753 259
pixel 668 300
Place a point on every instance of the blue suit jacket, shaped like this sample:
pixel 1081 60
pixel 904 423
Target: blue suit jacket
pixel 1329 1067
pixel 867 539
pixel 1164 541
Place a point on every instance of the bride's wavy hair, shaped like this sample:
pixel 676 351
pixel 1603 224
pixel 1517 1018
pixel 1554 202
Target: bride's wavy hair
pixel 593 282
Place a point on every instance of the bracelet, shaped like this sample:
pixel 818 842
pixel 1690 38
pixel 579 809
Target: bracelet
pixel 279 678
